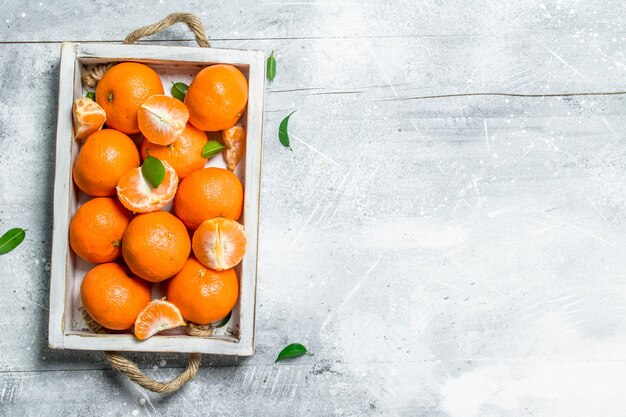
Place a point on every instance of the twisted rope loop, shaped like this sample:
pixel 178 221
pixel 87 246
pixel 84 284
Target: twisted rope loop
pixel 94 73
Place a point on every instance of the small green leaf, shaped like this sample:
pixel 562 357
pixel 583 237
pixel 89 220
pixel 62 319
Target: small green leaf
pixel 271 67
pixel 179 91
pixel 292 351
pixel 283 135
pixel 153 170
pixel 11 239
pixel 223 322
pixel 91 95
pixel 212 148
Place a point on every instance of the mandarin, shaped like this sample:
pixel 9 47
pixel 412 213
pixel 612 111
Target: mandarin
pixel 162 119
pixel 203 295
pixel 208 193
pixel 97 228
pixel 184 155
pixel 155 245
pixel 88 117
pixel 113 298
pixel 157 316
pixel 217 97
pixel 122 90
pixel 102 160
pixel 139 196
pixel 219 243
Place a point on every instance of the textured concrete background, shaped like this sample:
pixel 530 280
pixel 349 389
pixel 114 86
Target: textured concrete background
pixel 455 256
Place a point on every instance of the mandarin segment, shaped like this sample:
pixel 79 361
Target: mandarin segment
pixel 139 196
pixel 157 316
pixel 88 117
pixel 103 159
pixel 122 90
pixel 203 295
pixel 155 245
pixel 184 155
pixel 97 228
pixel 234 140
pixel 219 243
pixel 113 298
pixel 217 97
pixel 208 193
pixel 162 119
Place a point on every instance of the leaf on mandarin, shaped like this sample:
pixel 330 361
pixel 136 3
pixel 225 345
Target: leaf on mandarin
pixel 223 322
pixel 179 91
pixel 212 148
pixel 153 170
pixel 11 240
pixel 91 95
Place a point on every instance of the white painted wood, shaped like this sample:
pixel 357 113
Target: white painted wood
pixel 67 326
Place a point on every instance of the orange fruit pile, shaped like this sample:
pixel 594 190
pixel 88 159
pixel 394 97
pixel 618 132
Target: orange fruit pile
pixel 127 228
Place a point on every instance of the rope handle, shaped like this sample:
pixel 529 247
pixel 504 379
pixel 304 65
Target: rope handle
pixel 132 371
pixel 90 78
pixel 94 73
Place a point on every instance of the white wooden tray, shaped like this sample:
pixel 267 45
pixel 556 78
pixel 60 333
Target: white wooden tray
pixel 67 329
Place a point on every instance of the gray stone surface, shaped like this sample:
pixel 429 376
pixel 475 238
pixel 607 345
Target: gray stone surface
pixel 455 256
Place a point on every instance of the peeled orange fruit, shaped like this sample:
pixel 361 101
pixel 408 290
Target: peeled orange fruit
pixel 88 117
pixel 162 119
pixel 158 315
pixel 235 142
pixel 219 243
pixel 139 196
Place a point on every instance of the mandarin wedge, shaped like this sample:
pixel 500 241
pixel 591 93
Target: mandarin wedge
pixel 102 160
pixel 203 295
pixel 208 193
pixel 162 119
pixel 155 245
pixel 97 228
pixel 157 316
pixel 88 117
pixel 217 97
pixel 234 140
pixel 122 90
pixel 112 297
pixel 139 196
pixel 184 155
pixel 219 243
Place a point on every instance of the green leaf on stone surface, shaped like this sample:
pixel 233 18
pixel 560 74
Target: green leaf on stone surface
pixel 271 67
pixel 91 95
pixel 283 135
pixel 179 91
pixel 292 351
pixel 223 322
pixel 211 148
pixel 153 170
pixel 11 239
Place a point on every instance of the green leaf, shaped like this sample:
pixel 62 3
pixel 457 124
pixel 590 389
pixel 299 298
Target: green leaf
pixel 212 148
pixel 283 135
pixel 11 239
pixel 153 170
pixel 91 95
pixel 179 91
pixel 292 351
pixel 223 322
pixel 271 67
